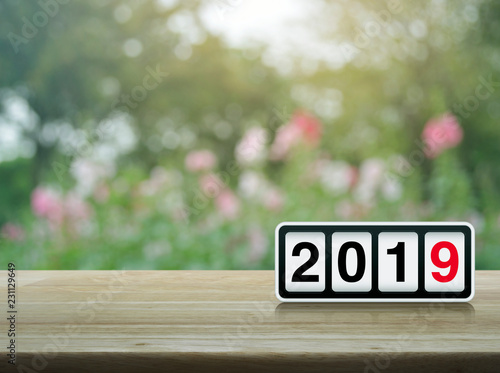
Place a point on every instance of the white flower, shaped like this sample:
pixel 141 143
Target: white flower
pixel 336 176
pixel 251 184
pixel 88 173
pixel 252 147
pixel 372 170
pixel 371 174
pixel 392 190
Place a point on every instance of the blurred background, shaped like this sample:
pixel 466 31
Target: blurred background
pixel 157 134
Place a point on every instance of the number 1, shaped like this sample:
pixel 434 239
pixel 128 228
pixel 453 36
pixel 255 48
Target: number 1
pixel 399 251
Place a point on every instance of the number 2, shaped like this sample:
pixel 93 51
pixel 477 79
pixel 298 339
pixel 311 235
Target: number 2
pixel 299 275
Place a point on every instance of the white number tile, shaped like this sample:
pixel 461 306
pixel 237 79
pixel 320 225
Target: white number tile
pixel 292 263
pixel 457 284
pixel 364 284
pixel 387 263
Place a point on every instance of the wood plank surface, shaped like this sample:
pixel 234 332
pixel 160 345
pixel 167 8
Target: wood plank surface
pixel 140 321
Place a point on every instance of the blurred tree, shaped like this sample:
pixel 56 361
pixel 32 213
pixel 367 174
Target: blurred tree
pixel 372 73
pixel 77 62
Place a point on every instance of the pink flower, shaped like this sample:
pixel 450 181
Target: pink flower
pixel 48 204
pixel 440 134
pixel 200 160
pixel 211 185
pixel 309 125
pixel 251 148
pixel 287 137
pixel 228 204
pixel 273 200
pixel 303 127
pixel 12 232
pixel 76 209
pixel 259 244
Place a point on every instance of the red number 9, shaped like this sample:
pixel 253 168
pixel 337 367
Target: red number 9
pixel 452 262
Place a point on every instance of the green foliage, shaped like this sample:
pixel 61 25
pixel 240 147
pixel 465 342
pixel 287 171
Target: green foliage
pixel 99 70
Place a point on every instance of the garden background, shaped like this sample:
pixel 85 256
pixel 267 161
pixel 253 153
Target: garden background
pixel 156 134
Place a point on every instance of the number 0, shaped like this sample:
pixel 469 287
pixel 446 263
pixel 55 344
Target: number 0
pixel 360 270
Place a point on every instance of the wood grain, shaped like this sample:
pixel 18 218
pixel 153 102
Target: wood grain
pixel 215 321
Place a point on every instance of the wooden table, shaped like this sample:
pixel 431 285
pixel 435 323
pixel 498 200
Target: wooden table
pixel 204 321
